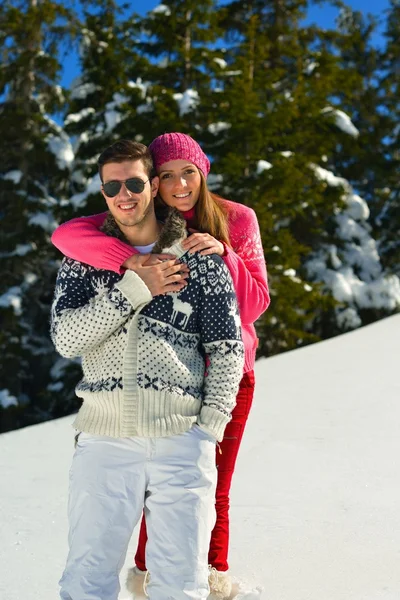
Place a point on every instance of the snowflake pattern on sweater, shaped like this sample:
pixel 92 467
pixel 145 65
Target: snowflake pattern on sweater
pixel 143 358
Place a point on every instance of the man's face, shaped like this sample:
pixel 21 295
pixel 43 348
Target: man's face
pixel 130 209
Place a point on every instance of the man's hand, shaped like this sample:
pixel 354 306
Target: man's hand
pixel 160 272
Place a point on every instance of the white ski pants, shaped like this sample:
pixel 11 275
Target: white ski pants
pixel 111 480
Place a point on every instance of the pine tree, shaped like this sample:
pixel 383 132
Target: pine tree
pixel 267 130
pixel 179 39
pixel 362 99
pixel 100 98
pixel 361 157
pixel 36 155
pixel 388 218
pixel 162 65
pixel 276 128
pixel 180 32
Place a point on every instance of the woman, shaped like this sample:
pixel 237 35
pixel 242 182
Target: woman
pixel 220 227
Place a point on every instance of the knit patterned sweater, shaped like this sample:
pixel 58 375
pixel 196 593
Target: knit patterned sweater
pixel 81 239
pixel 143 358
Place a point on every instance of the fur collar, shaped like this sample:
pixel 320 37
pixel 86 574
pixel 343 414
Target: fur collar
pixel 172 233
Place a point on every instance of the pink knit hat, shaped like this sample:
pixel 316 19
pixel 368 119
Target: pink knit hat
pixel 178 146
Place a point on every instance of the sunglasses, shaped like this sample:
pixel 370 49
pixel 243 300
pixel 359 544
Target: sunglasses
pixel 134 185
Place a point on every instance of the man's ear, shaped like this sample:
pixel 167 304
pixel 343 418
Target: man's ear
pixel 155 182
pixel 102 191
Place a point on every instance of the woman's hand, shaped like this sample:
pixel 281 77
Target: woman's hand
pixel 203 243
pixel 162 273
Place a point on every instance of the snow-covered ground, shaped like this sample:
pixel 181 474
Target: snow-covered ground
pixel 316 496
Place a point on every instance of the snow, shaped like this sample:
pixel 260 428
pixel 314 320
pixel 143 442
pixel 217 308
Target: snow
pixel 162 9
pixel 12 298
pixel 80 91
pixel 352 270
pixel 20 250
pixel 187 101
pixel 145 108
pixel 112 116
pixel 348 318
pixel 232 73
pixel 342 121
pixel 77 117
pixel 30 278
pixel 44 220
pixel 291 273
pixel 58 369
pixel 263 165
pixel 92 187
pixel 357 208
pixel 61 147
pixel 216 128
pixel 356 278
pixel 139 85
pixel 14 176
pixel 55 387
pixel 214 181
pixel 310 67
pixel 23 249
pixel 314 511
pixel 220 62
pixel 7 400
pixel 329 177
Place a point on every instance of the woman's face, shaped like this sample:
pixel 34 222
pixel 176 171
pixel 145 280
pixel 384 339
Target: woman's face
pixel 180 183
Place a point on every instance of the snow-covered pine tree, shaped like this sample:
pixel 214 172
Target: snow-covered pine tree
pixel 102 96
pixel 387 220
pixel 360 155
pixel 178 38
pixel 349 263
pixel 266 131
pixel 275 130
pixel 36 155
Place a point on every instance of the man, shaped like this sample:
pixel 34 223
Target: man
pixel 151 413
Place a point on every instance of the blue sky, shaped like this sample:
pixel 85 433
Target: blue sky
pixel 324 16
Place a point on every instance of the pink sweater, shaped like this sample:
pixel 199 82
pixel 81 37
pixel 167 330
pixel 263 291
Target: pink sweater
pixel 81 240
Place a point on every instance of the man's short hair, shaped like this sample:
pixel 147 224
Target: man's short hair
pixel 126 150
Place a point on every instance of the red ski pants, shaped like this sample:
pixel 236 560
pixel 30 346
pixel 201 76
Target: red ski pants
pixel 226 456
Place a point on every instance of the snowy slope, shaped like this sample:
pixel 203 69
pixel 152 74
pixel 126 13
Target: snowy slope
pixel 316 498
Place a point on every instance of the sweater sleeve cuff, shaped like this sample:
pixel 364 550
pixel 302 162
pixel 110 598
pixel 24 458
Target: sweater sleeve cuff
pixel 213 421
pixel 134 289
pixel 226 249
pixel 115 256
pixel 229 257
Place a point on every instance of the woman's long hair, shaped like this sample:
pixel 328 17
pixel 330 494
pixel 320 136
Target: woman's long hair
pixel 210 213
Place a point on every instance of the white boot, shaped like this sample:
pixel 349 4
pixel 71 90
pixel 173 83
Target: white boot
pixel 136 582
pixel 221 587
pixel 220 584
